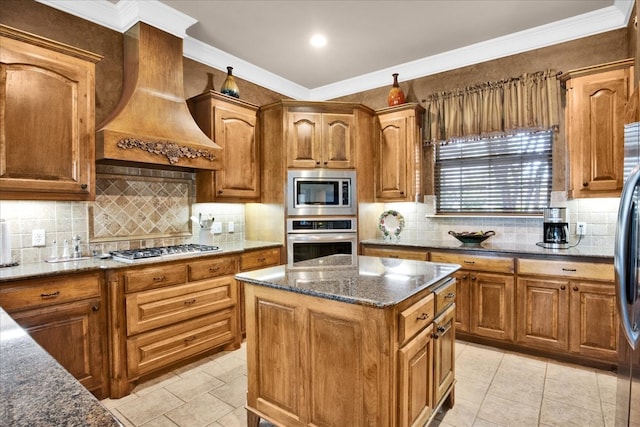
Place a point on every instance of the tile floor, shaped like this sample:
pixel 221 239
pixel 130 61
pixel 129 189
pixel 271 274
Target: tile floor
pixel 494 388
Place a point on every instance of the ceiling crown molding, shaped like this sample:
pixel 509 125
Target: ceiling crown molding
pixel 122 15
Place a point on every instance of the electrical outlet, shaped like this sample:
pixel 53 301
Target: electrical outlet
pixel 216 228
pixel 230 227
pixel 581 228
pixel 38 238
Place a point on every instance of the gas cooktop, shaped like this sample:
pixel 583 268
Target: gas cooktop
pixel 135 255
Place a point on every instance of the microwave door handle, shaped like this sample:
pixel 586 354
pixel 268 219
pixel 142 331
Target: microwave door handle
pixel 622 262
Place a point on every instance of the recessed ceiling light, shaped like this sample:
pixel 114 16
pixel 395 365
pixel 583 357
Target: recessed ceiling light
pixel 318 40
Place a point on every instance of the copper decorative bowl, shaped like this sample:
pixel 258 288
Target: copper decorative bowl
pixel 472 237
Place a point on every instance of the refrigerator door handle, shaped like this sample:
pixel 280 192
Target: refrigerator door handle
pixel 622 262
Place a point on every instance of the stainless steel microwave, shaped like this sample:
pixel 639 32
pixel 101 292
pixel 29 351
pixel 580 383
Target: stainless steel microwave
pixel 321 192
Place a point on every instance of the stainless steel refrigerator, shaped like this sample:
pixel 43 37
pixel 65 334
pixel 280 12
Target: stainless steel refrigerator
pixel 627 270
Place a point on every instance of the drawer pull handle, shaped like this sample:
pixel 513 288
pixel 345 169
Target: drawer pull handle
pixel 568 269
pixel 190 301
pixel 393 256
pixel 188 340
pixel 423 316
pixel 214 269
pixel 468 262
pixel 50 295
pixel 159 278
pixel 262 259
pixel 450 295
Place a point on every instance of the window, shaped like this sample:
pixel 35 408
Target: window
pixel 509 174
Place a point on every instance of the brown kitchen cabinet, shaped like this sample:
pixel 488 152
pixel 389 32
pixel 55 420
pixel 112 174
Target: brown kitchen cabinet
pixel 67 316
pixel 596 98
pixel 166 314
pixel 568 306
pixel 395 252
pixel 232 124
pixel 48 119
pixel 253 260
pixel 399 157
pixel 488 282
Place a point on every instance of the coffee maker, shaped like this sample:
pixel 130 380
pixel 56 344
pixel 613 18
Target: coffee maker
pixel 556 228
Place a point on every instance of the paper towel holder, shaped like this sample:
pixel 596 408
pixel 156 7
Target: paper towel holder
pixel 5 245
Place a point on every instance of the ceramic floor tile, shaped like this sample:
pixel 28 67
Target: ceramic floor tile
pixel 199 412
pixel 155 383
pixel 462 414
pixel 162 421
pixel 571 373
pixel 607 384
pixel 506 412
pixel 234 392
pixel 235 418
pixel 572 393
pixel 149 406
pixel 524 391
pixel 609 414
pixel 192 385
pixel 471 389
pixel 554 413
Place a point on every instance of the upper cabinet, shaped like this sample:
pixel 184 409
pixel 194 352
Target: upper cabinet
pixel 47 136
pixel 320 140
pixel 596 98
pixel 399 155
pixel 231 123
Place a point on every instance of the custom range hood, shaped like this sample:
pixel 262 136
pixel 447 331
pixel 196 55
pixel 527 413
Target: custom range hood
pixel 152 126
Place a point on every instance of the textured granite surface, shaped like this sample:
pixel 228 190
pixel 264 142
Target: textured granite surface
pixel 379 282
pixel 522 249
pixel 49 269
pixel 36 391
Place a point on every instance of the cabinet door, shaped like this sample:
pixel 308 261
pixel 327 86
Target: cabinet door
pixel 392 159
pixel 415 397
pixel 594 320
pixel 596 132
pixel 337 141
pixel 492 305
pixel 47 116
pixel 444 351
pixel 72 333
pixel 304 134
pixel 543 313
pixel 463 299
pixel 236 134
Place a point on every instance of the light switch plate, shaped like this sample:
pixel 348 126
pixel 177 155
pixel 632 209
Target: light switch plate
pixel 216 227
pixel 38 238
pixel 230 227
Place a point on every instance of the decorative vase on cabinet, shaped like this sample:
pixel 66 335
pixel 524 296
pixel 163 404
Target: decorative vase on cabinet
pixel 229 86
pixel 396 96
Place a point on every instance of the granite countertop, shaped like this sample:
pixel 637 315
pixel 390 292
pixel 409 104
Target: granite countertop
pixel 604 253
pixel 36 391
pixel 378 282
pixel 41 269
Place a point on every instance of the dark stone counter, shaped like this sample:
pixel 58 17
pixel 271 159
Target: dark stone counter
pixel 379 282
pixel 36 391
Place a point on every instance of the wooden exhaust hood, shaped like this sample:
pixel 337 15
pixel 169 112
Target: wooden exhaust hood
pixel 152 125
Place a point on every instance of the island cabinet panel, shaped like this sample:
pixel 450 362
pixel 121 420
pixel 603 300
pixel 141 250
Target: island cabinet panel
pixel 66 315
pixel 48 120
pixel 568 307
pixel 444 334
pixel 415 391
pixel 165 314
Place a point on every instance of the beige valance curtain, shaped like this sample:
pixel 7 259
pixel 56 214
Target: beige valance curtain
pixel 526 103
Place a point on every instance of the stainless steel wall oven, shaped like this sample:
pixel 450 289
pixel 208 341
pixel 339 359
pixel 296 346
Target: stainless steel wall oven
pixel 309 238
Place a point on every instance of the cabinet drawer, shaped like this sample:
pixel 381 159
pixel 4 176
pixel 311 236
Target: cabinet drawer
pixel 572 269
pixel 476 262
pixel 213 267
pixel 445 295
pixel 161 307
pixel 27 294
pixel 415 318
pixel 259 259
pixel 155 277
pixel 154 350
pixel 416 254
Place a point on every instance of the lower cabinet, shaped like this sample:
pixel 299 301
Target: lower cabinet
pixel 444 334
pixel 66 316
pixel 568 306
pixel 164 314
pixel 485 294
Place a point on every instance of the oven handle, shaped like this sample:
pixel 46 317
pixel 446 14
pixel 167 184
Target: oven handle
pixel 324 237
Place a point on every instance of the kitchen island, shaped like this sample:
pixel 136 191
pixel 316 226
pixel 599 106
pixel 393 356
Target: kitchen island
pixel 332 343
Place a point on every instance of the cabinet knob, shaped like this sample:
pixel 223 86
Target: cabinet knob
pixel 423 316
pixel 84 186
pixel 464 277
pixel 159 278
pixel 402 193
pixel 585 184
pixel 326 163
pixel 575 288
pixel 318 162
pixel 473 277
pixel 450 295
pixel 563 287
pixel 441 329
pixel 95 307
pixel 220 191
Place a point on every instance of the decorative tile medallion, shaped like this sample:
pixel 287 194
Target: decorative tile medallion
pixel 140 207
